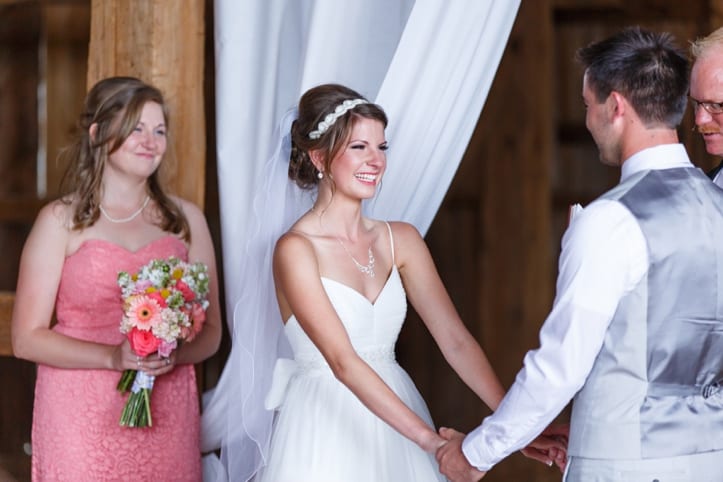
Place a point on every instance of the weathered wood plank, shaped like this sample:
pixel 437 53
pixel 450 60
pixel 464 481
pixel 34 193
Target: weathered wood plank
pixel 162 43
pixel 6 312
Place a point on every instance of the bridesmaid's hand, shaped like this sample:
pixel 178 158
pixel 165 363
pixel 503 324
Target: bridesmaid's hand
pixel 157 365
pixel 123 358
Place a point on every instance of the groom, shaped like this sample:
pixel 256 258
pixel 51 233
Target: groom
pixel 636 329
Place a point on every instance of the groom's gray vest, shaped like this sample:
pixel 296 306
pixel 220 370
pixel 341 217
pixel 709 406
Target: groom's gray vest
pixel 654 388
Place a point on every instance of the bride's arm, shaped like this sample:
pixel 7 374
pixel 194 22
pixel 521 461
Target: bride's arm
pixel 299 289
pixel 430 299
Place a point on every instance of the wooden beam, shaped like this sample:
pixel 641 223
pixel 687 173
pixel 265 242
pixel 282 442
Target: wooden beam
pixel 161 42
pixel 15 210
pixel 716 17
pixel 625 11
pixel 6 313
pixel 65 39
pixel 514 147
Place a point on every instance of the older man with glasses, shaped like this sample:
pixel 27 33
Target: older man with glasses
pixel 706 95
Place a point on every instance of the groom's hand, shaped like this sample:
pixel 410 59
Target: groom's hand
pixel 452 462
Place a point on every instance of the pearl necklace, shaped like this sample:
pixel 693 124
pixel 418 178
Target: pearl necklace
pixel 126 219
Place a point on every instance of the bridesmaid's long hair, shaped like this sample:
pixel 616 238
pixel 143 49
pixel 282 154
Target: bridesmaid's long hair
pixel 114 105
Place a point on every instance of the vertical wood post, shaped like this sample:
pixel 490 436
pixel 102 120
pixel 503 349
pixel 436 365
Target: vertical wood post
pixel 161 42
pixel 716 18
pixel 516 148
pixel 516 277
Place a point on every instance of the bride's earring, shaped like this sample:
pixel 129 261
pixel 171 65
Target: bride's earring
pixel 320 175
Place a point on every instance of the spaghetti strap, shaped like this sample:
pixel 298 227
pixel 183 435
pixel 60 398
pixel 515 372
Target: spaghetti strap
pixel 391 240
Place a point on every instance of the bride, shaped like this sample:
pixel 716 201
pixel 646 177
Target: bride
pixel 346 411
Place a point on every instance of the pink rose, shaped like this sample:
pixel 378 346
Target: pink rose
pixel 198 317
pixel 156 295
pixel 165 349
pixel 188 293
pixel 143 342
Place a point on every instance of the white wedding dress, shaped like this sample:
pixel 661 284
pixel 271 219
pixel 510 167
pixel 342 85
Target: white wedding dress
pixel 322 432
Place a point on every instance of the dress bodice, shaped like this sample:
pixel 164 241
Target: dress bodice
pixel 323 432
pixel 372 326
pixel 89 304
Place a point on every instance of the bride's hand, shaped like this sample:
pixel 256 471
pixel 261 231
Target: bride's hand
pixel 431 441
pixel 452 462
pixel 550 447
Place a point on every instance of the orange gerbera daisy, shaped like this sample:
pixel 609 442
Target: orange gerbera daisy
pixel 144 312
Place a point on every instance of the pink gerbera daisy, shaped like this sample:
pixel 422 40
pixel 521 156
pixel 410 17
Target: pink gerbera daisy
pixel 144 312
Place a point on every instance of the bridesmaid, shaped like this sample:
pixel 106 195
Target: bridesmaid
pixel 113 216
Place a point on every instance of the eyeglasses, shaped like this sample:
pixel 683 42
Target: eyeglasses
pixel 710 107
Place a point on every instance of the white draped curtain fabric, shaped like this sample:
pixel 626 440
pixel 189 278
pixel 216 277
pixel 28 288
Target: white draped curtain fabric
pixel 428 63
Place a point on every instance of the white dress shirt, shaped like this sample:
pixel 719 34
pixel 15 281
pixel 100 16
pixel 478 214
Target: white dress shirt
pixel 718 179
pixel 604 256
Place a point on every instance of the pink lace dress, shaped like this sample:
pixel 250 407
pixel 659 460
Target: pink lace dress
pixel 76 435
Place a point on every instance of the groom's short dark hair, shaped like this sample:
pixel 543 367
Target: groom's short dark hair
pixel 646 67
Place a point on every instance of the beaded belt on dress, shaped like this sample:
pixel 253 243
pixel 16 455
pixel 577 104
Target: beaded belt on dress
pixel 286 368
pixel 379 354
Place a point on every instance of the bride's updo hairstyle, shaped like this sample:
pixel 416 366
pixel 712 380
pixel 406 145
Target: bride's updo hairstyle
pixel 327 114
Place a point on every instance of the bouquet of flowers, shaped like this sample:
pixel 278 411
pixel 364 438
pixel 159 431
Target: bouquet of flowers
pixel 164 304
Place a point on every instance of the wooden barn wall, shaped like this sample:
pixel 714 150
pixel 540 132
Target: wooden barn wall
pixel 495 239
pixel 43 59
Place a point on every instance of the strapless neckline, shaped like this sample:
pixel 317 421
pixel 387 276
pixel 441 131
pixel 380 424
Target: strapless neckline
pixel 113 245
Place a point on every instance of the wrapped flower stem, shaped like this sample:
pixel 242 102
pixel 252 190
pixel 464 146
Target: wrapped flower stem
pixel 126 380
pixel 137 411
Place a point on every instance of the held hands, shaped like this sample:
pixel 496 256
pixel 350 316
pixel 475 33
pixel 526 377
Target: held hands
pixel 125 359
pixel 431 441
pixel 451 460
pixel 550 447
pixel 156 365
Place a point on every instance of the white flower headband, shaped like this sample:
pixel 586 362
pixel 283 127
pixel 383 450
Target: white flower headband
pixel 329 120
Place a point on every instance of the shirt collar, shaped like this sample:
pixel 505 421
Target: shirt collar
pixel 666 156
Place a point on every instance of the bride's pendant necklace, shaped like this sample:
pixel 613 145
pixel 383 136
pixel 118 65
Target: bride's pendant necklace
pixel 367 269
pixel 126 219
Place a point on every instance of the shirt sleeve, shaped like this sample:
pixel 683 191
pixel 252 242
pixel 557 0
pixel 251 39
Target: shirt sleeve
pixel 604 256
